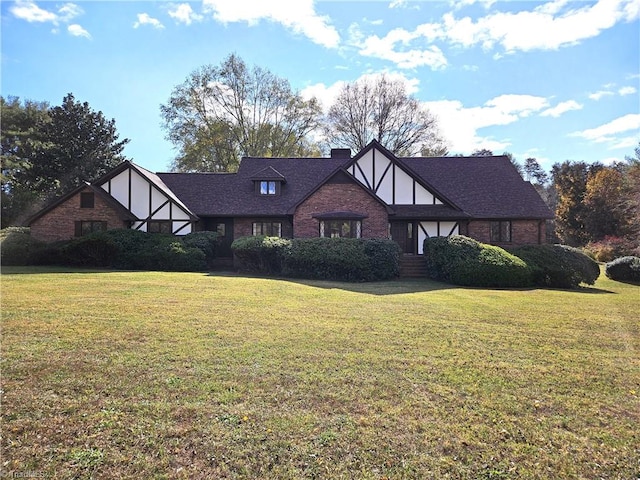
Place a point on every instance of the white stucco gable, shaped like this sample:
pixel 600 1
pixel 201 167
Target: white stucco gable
pixel 389 180
pixel 145 195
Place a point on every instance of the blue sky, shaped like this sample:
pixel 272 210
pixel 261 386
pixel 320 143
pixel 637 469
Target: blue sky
pixel 555 80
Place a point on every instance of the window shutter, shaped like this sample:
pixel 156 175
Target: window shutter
pixel 78 226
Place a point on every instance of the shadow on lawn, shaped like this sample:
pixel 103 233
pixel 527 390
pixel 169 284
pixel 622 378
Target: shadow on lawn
pixel 399 285
pixel 388 287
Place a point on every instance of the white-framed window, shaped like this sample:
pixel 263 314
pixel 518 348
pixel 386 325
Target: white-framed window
pixel 270 229
pixel 341 228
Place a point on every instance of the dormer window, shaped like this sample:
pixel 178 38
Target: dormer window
pixel 268 181
pixel 268 187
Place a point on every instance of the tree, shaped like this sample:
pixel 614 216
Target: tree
pixel 221 113
pixel 482 152
pixel 81 145
pixel 381 109
pixel 514 162
pixel 570 181
pixel 50 151
pixel 604 200
pixel 631 175
pixel 19 139
pixel 534 173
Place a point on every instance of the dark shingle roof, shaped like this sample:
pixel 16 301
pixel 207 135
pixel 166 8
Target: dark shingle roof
pixel 227 194
pixel 482 187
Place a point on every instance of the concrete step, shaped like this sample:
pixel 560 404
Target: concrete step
pixel 413 266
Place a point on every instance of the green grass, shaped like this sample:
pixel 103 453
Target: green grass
pixel 186 375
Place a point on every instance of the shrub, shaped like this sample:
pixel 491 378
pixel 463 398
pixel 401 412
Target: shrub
pixel 172 255
pixel 463 261
pixel 624 269
pixel 558 266
pixel 17 247
pixel 346 259
pixel 205 241
pixel 328 259
pixel 384 258
pixel 93 250
pixel 261 254
pixel 132 246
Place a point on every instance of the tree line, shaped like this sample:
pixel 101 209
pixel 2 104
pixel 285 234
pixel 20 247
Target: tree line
pixel 223 112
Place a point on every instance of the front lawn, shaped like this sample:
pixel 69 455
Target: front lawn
pixel 187 375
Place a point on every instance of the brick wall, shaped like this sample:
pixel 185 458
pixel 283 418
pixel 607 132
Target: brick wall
pixel 334 197
pixel 59 223
pixel 523 232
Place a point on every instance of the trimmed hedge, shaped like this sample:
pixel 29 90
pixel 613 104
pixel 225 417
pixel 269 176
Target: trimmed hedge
pixel 558 266
pixel 119 248
pixel 205 241
pixel 346 259
pixel 261 254
pixel 463 261
pixel 624 269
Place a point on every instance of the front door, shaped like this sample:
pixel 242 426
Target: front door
pixel 403 233
pixel 224 228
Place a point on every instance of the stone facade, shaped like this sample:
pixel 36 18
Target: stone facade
pixel 59 223
pixel 340 197
pixel 523 232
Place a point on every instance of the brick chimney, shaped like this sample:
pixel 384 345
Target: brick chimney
pixel 341 153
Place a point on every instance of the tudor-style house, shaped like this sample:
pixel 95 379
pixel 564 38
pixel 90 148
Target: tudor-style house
pixel 373 194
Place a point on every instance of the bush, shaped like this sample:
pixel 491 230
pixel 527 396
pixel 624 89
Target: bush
pixel 558 266
pixel 624 269
pixel 261 254
pixel 463 261
pixel 132 246
pixel 205 241
pixel 17 247
pixel 328 259
pixel 346 259
pixel 93 250
pixel 172 256
pixel 130 250
pixel 384 258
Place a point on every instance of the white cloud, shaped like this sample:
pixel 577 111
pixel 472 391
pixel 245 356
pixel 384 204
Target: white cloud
pixel 397 3
pixel 77 31
pixel 394 47
pixel 68 12
pixel 326 95
pixel 599 94
pixel 384 48
pixel 183 13
pixel 521 30
pixel 460 124
pixel 297 15
pixel 459 4
pixel 146 19
pixel 627 91
pixel 548 26
pixel 625 142
pixel 561 108
pixel 609 131
pixel 30 12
